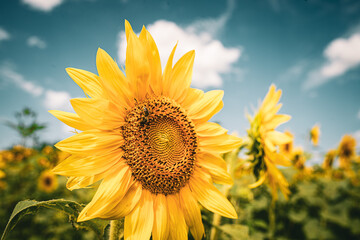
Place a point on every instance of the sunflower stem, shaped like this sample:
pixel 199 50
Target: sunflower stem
pixel 116 229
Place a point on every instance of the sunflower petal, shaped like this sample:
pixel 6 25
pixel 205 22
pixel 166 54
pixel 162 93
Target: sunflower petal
pixel 77 165
pixel 168 71
pixel 71 119
pixel 160 228
pixel 113 80
pixel 178 228
pixel 216 166
pixel 90 142
pixel 154 61
pixel 89 82
pixel 205 108
pixel 210 197
pixel 90 110
pixel 127 203
pixel 181 76
pixel 278 138
pixel 192 213
pixel 209 129
pixel 139 223
pixel 111 190
pixel 276 121
pixel 220 144
pixel 137 66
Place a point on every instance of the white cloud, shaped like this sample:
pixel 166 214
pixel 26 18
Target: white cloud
pixel 212 58
pixel 4 35
pixel 342 54
pixel 8 73
pixel 59 100
pixel 35 41
pixel 43 5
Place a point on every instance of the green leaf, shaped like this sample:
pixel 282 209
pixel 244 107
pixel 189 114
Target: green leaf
pixel 234 231
pixel 71 208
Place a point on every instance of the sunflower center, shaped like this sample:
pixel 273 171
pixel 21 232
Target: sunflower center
pixel 47 181
pixel 160 145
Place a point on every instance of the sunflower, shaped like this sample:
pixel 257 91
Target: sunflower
pixel 329 159
pixel 314 135
pixel 298 158
pixel 47 182
pixel 146 135
pixel 287 148
pixel 346 151
pixel 264 141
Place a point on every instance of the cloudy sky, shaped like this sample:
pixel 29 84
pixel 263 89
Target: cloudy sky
pixel 308 48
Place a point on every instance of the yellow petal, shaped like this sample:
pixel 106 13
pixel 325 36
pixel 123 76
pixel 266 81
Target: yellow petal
pixel 178 229
pixel 83 182
pixel 279 159
pixel 168 71
pixel 127 203
pixel 269 145
pixel 154 61
pixel 207 106
pixel 258 182
pixel 71 119
pixel 88 81
pixel 77 165
pixel 139 223
pixel 210 197
pixel 193 95
pixel 278 138
pixel 276 121
pixel 113 80
pixel 220 144
pixel 209 129
pixel 90 110
pixel 192 213
pixel 270 114
pixel 160 228
pixel 181 76
pixel 111 190
pixel 216 166
pixel 91 142
pixel 137 66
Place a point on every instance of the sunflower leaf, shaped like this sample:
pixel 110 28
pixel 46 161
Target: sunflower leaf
pixel 70 208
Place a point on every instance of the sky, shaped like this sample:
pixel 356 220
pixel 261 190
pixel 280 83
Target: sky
pixel 310 49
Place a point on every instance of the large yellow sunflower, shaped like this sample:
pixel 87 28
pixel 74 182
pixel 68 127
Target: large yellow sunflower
pixel 146 135
pixel 264 141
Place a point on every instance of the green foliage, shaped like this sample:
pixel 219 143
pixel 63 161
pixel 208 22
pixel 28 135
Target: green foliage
pixel 70 208
pixel 26 125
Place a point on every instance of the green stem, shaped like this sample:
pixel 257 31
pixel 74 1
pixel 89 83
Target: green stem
pixel 272 219
pixel 116 229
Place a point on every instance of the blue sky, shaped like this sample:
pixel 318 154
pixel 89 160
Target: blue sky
pixel 309 49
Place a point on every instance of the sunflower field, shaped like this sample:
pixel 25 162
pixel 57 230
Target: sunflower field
pixel 146 162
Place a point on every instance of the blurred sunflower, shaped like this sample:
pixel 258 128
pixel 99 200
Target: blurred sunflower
pixel 346 151
pixel 264 140
pixel 329 159
pixel 287 148
pixel 47 182
pixel 315 135
pixel 147 136
pixel 298 158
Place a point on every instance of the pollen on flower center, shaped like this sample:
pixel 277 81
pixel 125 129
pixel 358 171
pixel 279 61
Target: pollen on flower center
pixel 160 145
